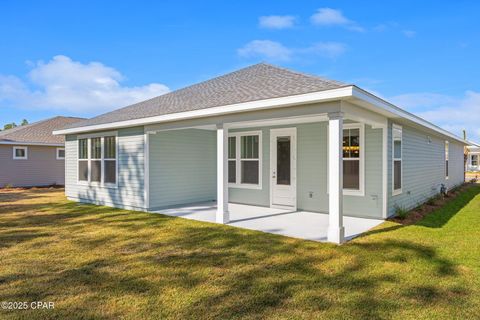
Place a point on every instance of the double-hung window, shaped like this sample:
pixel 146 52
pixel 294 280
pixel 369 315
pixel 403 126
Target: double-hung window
pixel 353 179
pixel 97 160
pixel 397 158
pixel 447 145
pixel 83 160
pixel 232 160
pixel 110 159
pixel 244 159
pixel 474 160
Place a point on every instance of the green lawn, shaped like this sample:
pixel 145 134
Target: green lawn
pixel 98 262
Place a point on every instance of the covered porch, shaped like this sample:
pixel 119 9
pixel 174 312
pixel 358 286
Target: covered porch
pixel 277 170
pixel 296 224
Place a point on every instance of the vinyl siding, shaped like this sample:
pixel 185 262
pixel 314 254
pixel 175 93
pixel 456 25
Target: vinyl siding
pixel 130 191
pixel 40 169
pixel 423 167
pixel 312 173
pixel 182 167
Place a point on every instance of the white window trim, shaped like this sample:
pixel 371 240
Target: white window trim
pixel 102 183
pixel 361 191
pixel 82 182
pixel 396 192
pixel 447 158
pixel 57 153
pixel 238 160
pixel 20 148
pixel 477 159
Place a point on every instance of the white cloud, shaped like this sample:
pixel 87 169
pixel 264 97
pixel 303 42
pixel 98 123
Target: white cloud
pixel 64 84
pixel 333 17
pixel 277 22
pixel 451 113
pixel 266 48
pixel 272 50
pixel 409 33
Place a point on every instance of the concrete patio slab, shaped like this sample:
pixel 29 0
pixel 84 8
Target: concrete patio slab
pixel 298 224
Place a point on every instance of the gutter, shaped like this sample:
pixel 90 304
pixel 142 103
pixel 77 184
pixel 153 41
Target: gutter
pixel 22 143
pixel 378 105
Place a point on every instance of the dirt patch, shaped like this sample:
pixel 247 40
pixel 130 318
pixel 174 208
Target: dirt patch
pixel 429 206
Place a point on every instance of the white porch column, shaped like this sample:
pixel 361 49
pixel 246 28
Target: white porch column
pixel 336 232
pixel 223 215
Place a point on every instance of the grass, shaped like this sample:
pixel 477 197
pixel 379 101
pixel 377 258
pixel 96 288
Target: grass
pixel 97 262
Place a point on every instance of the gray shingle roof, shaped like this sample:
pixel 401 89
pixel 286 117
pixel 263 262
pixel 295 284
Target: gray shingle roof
pixel 38 132
pixel 257 82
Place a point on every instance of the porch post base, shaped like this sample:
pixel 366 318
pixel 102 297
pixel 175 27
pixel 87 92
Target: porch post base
pixel 336 235
pixel 222 217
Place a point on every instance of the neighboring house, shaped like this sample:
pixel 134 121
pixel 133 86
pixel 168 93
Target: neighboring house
pixel 263 136
pixel 473 158
pixel 31 155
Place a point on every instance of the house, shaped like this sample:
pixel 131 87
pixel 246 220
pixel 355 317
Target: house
pixel 473 158
pixel 266 137
pixel 31 155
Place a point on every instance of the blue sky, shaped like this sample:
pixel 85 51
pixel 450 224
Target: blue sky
pixel 84 58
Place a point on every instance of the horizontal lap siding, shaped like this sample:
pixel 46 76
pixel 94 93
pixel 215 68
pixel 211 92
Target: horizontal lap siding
pixel 423 167
pixel 369 205
pixel 312 173
pixel 40 169
pixel 182 167
pixel 312 167
pixel 130 190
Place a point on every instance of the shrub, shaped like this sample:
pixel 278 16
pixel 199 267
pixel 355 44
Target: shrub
pixel 400 212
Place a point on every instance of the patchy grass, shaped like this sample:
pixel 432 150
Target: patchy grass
pixel 98 262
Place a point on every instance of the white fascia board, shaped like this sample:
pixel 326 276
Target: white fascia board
pixel 472 144
pixel 381 106
pixel 398 112
pixel 326 95
pixel 20 143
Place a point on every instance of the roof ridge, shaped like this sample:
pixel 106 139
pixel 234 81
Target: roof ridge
pixel 20 127
pixel 181 89
pixel 253 82
pixel 304 73
pixel 36 123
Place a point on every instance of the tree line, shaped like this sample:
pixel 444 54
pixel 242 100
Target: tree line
pixel 14 125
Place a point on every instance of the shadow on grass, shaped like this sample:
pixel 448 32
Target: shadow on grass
pixel 259 284
pixel 440 217
pixel 223 272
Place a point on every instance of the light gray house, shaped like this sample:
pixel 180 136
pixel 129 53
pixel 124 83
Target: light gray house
pixel 266 137
pixel 31 155
pixel 473 158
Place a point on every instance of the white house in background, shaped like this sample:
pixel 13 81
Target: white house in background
pixel 269 138
pixel 473 158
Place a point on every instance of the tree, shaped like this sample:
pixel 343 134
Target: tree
pixel 9 126
pixel 24 122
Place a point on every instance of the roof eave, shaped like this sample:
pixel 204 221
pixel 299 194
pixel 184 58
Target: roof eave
pixel 392 111
pixel 347 92
pixel 23 143
pixel 319 96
